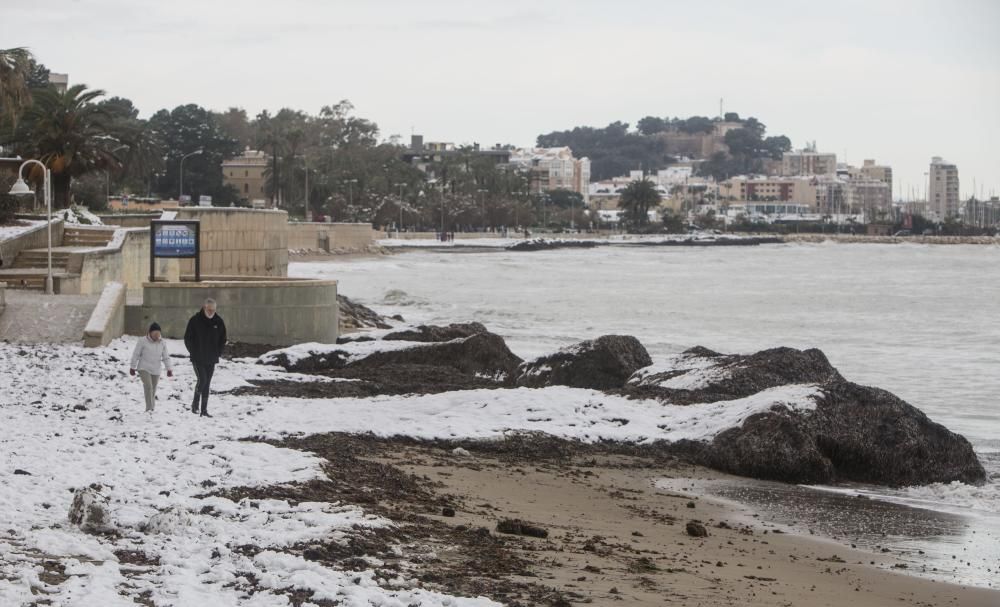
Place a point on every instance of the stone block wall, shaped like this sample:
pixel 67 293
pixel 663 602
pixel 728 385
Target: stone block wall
pixel 344 237
pixel 277 312
pixel 239 242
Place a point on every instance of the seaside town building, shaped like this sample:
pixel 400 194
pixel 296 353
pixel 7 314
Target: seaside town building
pixel 426 155
pixel 553 169
pixel 943 188
pixel 808 162
pixel 247 173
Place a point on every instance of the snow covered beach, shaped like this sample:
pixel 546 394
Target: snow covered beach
pixel 283 518
pixel 196 514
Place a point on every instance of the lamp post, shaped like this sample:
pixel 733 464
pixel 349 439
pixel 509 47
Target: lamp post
pixel 185 156
pixel 20 188
pixel 350 191
pixel 482 205
pixel 400 185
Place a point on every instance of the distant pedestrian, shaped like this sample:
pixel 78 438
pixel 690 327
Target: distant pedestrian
pixel 149 354
pixel 204 338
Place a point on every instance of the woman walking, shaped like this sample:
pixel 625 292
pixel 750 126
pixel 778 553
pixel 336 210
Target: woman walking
pixel 150 352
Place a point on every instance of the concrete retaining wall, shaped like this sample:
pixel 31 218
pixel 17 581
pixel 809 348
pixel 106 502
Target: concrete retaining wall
pixel 130 220
pixel 35 238
pixel 342 237
pixel 107 321
pixel 244 242
pixel 124 260
pixel 277 311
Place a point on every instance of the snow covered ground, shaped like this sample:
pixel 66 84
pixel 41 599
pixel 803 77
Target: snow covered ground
pixel 71 417
pixel 21 227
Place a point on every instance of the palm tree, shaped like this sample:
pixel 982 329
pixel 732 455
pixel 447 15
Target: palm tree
pixel 15 94
pixel 71 134
pixel 636 200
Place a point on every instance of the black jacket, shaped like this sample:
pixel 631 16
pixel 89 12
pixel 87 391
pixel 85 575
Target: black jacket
pixel 205 337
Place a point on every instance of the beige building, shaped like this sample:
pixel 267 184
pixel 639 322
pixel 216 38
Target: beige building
pixel 942 190
pixel 553 169
pixel 880 172
pixel 755 188
pixel 246 173
pixel 807 162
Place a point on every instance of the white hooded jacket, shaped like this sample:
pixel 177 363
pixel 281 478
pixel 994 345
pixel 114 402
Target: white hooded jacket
pixel 149 354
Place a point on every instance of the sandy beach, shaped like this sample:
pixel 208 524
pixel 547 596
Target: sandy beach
pixel 612 537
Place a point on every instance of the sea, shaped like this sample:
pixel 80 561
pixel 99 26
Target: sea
pixel 922 321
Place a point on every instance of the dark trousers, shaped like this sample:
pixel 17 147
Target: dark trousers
pixel 204 374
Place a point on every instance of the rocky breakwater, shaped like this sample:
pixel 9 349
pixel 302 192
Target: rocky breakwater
pixel 779 414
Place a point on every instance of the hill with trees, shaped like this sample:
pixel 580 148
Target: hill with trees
pixel 616 149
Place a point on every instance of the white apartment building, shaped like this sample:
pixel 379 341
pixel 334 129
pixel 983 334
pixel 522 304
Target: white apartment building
pixel 553 169
pixel 942 192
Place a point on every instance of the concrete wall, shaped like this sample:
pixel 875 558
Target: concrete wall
pixel 107 321
pixel 130 220
pixel 238 241
pixel 342 237
pixel 36 238
pixel 278 312
pixel 124 260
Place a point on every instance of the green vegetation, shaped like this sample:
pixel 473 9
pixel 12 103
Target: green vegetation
pixel 636 200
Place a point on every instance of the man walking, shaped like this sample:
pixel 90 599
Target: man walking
pixel 205 338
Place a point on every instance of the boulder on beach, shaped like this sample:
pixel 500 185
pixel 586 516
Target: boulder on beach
pixel 604 363
pixel 354 316
pixel 435 333
pixel 850 433
pixel 700 375
pixel 480 354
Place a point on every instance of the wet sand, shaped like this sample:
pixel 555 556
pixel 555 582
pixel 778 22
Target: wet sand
pixel 612 536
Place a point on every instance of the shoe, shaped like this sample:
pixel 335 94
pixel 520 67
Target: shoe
pixel 205 414
pixel 194 409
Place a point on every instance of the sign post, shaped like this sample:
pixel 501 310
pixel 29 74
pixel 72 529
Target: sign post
pixel 174 240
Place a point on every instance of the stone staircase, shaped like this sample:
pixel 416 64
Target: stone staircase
pixel 28 270
pixel 86 237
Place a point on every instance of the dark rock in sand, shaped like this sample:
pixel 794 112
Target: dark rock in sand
pixel 604 363
pixel 853 433
pixel 517 527
pixel 434 333
pixel 696 529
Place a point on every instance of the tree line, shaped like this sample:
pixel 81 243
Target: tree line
pixel 616 149
pixel 97 145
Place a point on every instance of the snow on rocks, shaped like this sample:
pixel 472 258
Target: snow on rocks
pixel 603 363
pixel 89 510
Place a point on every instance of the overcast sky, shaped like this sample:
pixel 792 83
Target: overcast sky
pixel 895 80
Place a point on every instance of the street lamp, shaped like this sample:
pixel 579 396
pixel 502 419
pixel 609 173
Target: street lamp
pixel 482 205
pixel 350 191
pixel 400 185
pixel 198 151
pixel 20 188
